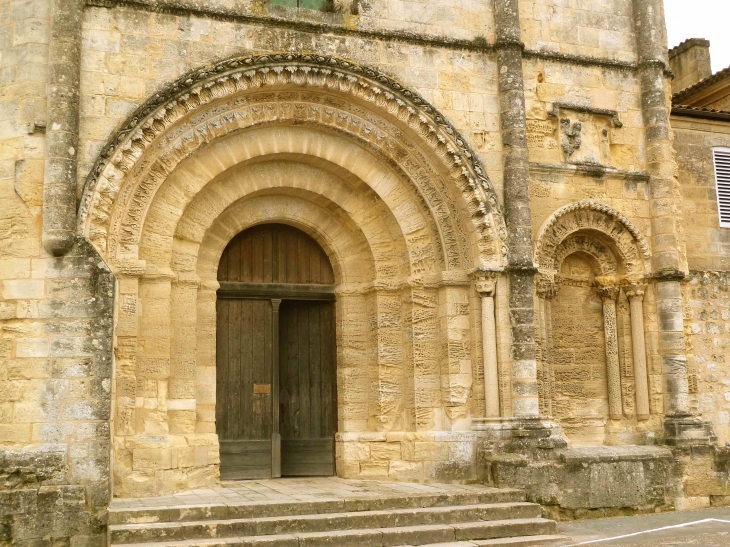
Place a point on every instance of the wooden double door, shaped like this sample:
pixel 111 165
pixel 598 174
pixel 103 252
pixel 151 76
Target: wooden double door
pixel 276 409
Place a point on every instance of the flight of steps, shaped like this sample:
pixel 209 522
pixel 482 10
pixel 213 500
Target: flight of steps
pixel 494 517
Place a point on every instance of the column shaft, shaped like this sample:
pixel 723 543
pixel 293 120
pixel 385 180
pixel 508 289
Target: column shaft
pixel 489 352
pixel 62 132
pixel 615 404
pixel 638 343
pixel 518 214
pixel 668 262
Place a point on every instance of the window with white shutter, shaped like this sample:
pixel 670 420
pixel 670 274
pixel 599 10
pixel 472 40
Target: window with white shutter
pixel 721 158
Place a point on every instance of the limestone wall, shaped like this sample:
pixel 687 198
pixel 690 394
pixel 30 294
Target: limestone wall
pixel 708 251
pixel 130 54
pixel 55 324
pixel 590 28
pixel 408 224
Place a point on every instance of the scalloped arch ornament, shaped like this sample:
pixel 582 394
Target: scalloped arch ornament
pixel 554 240
pixel 152 124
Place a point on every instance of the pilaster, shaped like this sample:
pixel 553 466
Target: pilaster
pixel 669 264
pixel 62 134
pixel 518 215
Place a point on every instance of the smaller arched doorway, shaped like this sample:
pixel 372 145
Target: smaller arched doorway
pixel 276 407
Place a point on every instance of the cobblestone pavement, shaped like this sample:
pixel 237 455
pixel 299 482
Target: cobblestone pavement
pixel 711 533
pixel 295 490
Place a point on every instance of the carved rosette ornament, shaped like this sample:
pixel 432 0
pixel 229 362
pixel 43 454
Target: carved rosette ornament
pixel 112 209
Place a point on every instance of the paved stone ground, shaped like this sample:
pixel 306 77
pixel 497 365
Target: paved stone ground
pixel 706 534
pixel 295 490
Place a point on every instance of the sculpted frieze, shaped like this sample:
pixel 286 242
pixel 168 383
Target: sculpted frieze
pixel 235 77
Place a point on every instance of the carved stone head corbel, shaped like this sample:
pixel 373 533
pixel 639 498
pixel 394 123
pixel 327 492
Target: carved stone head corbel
pixel 485 282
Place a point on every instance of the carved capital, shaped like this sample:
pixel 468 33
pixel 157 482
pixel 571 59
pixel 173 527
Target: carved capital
pixel 635 290
pixel 548 285
pixel 609 293
pixel 130 267
pixel 485 286
pixel 485 281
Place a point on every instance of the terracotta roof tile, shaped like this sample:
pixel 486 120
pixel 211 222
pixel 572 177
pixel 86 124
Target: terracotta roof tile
pixel 699 86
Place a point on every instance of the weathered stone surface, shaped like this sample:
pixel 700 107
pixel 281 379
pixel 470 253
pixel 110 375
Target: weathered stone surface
pixel 426 147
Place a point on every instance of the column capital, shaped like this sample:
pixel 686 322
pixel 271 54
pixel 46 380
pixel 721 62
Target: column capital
pixel 485 287
pixel 635 290
pixel 548 285
pixel 609 293
pixel 485 281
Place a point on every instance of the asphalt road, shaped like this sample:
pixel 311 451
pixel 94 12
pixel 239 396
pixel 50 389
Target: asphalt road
pixel 703 528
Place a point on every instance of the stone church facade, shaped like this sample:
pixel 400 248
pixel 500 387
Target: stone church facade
pixel 530 280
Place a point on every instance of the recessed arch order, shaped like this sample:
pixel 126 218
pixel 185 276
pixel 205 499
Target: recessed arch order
pixel 387 135
pixel 373 173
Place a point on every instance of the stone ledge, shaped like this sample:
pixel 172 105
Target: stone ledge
pixel 599 454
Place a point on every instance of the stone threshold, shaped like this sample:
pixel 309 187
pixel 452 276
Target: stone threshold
pixel 310 491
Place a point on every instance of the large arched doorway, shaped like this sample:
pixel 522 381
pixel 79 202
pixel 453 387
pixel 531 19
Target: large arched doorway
pixel 379 179
pixel 276 410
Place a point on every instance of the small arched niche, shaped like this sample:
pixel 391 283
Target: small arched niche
pixel 592 356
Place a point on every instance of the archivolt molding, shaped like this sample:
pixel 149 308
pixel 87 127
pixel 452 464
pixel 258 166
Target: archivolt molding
pixel 410 242
pixel 602 259
pixel 345 245
pixel 556 239
pixel 175 122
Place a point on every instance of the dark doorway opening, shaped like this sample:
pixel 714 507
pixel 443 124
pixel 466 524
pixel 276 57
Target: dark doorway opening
pixel 276 410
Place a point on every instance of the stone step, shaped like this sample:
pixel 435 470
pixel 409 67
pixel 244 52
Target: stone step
pixel 247 510
pixel 326 522
pixel 524 541
pixel 463 533
pixel 530 541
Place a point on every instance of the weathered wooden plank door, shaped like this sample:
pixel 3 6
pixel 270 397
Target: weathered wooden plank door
pixel 266 273
pixel 244 398
pixel 307 388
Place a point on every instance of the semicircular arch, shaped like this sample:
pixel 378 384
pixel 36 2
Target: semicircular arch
pixel 348 98
pixel 190 199
pixel 616 239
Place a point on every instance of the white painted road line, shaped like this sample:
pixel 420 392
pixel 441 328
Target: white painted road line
pixel 683 525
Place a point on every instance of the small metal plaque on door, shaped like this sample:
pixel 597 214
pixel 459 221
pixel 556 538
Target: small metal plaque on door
pixel 261 389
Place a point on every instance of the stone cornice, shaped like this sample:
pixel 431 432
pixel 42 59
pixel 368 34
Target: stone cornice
pixel 587 169
pixel 557 105
pixel 583 60
pixel 331 27
pixel 317 27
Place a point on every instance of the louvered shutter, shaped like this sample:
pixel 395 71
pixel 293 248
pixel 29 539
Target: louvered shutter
pixel 722 182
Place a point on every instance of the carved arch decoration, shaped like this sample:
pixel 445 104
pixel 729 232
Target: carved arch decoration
pixel 359 102
pixel 600 256
pixel 613 241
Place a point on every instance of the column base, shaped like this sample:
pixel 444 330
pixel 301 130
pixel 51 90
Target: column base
pixel 688 430
pixel 535 437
